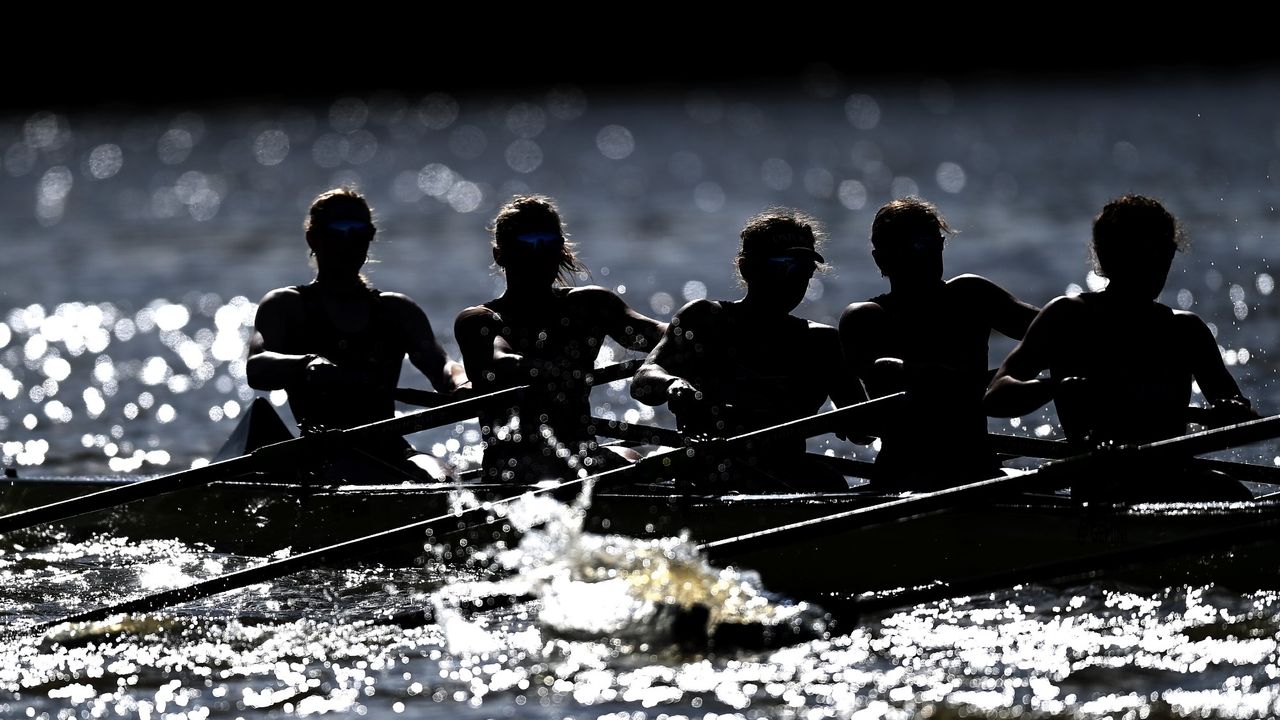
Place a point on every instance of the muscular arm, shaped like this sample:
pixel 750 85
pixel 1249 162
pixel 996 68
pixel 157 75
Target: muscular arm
pixel 488 358
pixel 1008 315
pixel 424 350
pixel 631 329
pixel 1207 368
pixel 863 333
pixel 1015 391
pixel 674 356
pixel 276 359
pixel 842 384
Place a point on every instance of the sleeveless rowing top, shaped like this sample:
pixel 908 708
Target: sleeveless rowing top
pixel 943 440
pixel 373 355
pixel 749 374
pixel 1138 376
pixel 535 438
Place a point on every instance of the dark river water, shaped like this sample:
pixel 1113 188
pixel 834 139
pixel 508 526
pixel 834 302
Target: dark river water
pixel 136 244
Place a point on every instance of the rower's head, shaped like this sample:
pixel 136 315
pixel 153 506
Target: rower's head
pixel 778 256
pixel 530 243
pixel 907 237
pixel 339 228
pixel 1134 239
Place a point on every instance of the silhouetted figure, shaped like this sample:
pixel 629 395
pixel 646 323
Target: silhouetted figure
pixel 1120 363
pixel 336 344
pixel 725 367
pixel 929 337
pixel 544 333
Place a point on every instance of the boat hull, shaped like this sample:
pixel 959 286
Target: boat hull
pixel 995 544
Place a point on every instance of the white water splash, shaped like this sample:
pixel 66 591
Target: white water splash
pixel 623 587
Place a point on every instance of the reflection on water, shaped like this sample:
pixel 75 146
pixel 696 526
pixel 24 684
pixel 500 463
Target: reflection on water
pixel 1087 651
pixel 136 245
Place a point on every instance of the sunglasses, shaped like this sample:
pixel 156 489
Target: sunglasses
pixel 349 229
pixel 789 265
pixel 538 242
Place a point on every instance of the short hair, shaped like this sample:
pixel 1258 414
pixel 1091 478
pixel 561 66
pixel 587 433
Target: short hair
pixel 1130 230
pixel 904 218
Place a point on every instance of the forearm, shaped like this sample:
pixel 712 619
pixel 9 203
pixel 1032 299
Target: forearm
pixel 1011 397
pixel 275 371
pixel 455 375
pixel 651 384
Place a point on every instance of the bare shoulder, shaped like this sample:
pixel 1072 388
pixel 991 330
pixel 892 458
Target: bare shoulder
pixel 281 302
pixel 396 299
pixel 860 313
pixel 399 302
pixel 823 334
pixel 1064 309
pixel 476 314
pixel 282 296
pixel 976 287
pixel 1188 322
pixel 969 282
pixel 696 312
pixel 595 296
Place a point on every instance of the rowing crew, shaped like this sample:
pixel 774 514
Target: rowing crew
pixel 724 367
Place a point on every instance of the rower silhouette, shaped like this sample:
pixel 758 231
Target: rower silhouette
pixel 544 333
pixel 1089 344
pixel 929 337
pixel 336 344
pixel 726 367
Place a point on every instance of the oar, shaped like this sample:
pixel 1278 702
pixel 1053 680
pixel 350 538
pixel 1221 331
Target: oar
pixel 1057 450
pixel 452 524
pixel 599 376
pixel 1084 567
pixel 1047 478
pixel 656 435
pixel 280 453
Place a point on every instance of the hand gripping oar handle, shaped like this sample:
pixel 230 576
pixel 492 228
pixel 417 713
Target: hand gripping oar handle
pixel 455 523
pixel 598 376
pixel 280 453
pixel 1049 477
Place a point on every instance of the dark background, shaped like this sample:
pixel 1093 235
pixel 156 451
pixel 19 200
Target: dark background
pixel 230 54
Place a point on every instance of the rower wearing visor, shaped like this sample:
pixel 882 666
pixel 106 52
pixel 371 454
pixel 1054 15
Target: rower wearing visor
pixel 545 333
pixel 725 367
pixel 336 345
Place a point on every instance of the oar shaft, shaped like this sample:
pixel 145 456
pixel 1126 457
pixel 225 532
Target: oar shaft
pixel 452 524
pixel 432 529
pixel 76 506
pixel 1047 478
pixel 284 453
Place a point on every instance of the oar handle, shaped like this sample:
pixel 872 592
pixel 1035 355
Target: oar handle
pixel 598 376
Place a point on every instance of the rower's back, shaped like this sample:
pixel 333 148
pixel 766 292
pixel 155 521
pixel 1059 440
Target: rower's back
pixel 1122 364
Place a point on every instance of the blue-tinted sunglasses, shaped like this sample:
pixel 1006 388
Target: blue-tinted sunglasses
pixel 789 265
pixel 353 229
pixel 539 242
